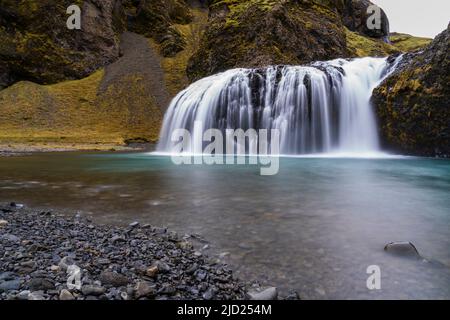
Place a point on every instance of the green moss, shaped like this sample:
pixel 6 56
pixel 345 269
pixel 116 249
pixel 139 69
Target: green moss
pixel 407 43
pixel 360 46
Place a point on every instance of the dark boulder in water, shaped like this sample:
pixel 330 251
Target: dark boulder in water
pixel 402 249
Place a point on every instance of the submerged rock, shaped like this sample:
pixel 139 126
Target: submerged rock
pixel 270 293
pixel 403 249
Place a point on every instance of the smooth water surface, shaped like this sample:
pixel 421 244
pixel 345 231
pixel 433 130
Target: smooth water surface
pixel 315 227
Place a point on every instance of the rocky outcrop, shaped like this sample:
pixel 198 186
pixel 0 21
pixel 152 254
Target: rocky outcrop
pixel 355 15
pixel 156 19
pixel 45 51
pixel 413 104
pixel 255 33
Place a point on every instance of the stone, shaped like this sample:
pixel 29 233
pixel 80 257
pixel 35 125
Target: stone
pixel 143 289
pixel 209 294
pixel 66 295
pixel 10 237
pixel 152 271
pixel 134 224
pixel 16 205
pixel 270 293
pixel 114 279
pixel 23 295
pixel 38 284
pixel 402 249
pixel 4 276
pixel 55 268
pixel 10 285
pixel 65 262
pixel 92 290
pixel 3 223
pixel 37 295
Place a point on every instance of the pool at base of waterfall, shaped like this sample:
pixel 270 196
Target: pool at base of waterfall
pixel 315 227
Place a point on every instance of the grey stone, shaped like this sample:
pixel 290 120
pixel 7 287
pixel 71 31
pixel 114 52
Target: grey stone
pixel 10 285
pixel 270 293
pixel 114 279
pixel 38 284
pixel 66 295
pixel 90 290
pixel 402 249
pixel 144 289
pixel 37 295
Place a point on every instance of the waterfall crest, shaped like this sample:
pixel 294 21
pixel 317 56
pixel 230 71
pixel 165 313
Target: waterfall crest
pixel 321 108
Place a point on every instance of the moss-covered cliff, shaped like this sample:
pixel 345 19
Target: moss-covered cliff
pixel 250 33
pixel 36 45
pixel 413 105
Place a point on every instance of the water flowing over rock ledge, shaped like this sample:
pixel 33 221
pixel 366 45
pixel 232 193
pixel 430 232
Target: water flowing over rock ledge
pixel 134 262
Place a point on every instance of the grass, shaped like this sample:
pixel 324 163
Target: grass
pixel 406 43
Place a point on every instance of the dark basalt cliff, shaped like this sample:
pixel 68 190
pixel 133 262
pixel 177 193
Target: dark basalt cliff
pixel 36 45
pixel 254 33
pixel 413 104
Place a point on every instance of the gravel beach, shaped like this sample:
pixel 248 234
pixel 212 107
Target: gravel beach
pixel 48 256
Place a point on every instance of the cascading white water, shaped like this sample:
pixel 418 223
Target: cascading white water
pixel 324 107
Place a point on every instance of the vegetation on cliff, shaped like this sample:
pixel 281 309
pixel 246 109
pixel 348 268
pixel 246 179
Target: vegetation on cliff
pixel 413 103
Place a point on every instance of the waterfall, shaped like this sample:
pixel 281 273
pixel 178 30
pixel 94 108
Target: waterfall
pixel 321 108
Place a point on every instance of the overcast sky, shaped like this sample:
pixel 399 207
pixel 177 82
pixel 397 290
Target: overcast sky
pixel 424 18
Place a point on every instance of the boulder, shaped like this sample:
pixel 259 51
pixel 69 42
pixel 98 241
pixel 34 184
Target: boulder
pixel 402 249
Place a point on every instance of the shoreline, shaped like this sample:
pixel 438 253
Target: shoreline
pixel 22 149
pixel 136 262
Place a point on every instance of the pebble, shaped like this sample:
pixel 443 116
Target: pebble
pixel 152 271
pixel 37 295
pixel 66 295
pixel 3 223
pixel 144 289
pixel 270 293
pixel 92 290
pixel 10 285
pixel 114 279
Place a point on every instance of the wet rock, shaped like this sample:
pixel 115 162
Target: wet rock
pixel 402 249
pixel 144 289
pixel 38 284
pixel 9 237
pixel 10 285
pixel 134 224
pixel 37 295
pixel 4 276
pixel 209 294
pixel 152 271
pixel 65 262
pixel 16 205
pixel 92 290
pixel 66 295
pixel 23 295
pixel 267 294
pixel 114 279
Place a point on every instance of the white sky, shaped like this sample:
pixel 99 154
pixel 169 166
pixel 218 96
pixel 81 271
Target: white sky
pixel 424 18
